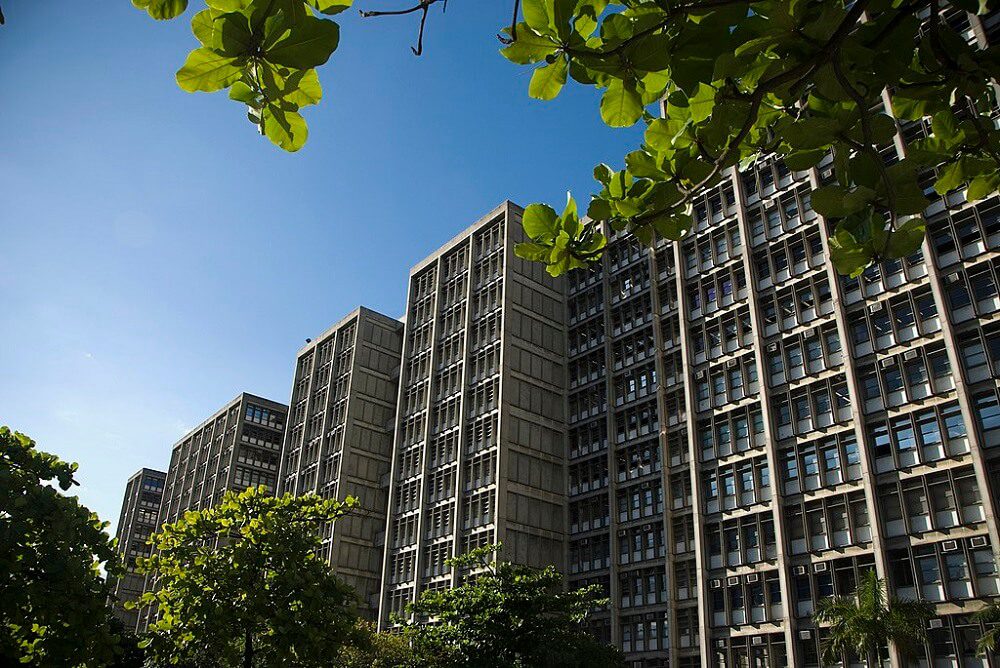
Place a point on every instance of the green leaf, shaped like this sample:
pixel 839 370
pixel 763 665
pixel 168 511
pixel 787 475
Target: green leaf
pixel 529 47
pixel 203 27
pixel 673 227
pixel 241 92
pixel 536 14
pixel 162 9
pixel 621 106
pixel 294 89
pixel 229 5
pixel 287 129
pixel 208 71
pixel 983 186
pixel 836 201
pixel 701 103
pixel 233 36
pixel 532 251
pixel 602 174
pixel 848 256
pixel 547 81
pixel 330 7
pixel 539 221
pixel 802 160
pixel 303 45
pixel 906 239
pixel 599 209
pixel 811 133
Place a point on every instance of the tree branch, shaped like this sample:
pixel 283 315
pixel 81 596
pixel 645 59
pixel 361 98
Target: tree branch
pixel 792 76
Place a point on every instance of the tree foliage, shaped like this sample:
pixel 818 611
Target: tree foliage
pixel 367 648
pixel 739 81
pixel 863 625
pixel 505 615
pixel 990 616
pixel 52 594
pixel 240 585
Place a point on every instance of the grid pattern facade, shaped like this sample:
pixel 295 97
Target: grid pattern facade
pixel 826 425
pixel 137 522
pixel 339 438
pixel 238 447
pixel 480 434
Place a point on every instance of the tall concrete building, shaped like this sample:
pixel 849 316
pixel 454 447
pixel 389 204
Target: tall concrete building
pixel 479 453
pixel 238 447
pixel 750 431
pixel 339 438
pixel 137 522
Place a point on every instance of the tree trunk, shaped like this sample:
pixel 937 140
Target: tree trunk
pixel 247 649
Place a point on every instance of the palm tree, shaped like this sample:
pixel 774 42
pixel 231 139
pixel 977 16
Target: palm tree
pixel 990 615
pixel 864 624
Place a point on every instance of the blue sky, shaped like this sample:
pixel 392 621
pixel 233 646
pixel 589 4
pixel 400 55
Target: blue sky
pixel 159 257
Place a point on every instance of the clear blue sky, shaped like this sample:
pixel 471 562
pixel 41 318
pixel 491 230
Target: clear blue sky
pixel 159 257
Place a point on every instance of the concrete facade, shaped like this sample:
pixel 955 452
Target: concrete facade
pixel 749 430
pixel 137 522
pixel 479 453
pixel 339 438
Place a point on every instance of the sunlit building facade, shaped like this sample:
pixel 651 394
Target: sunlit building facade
pixel 749 431
pixel 339 439
pixel 479 454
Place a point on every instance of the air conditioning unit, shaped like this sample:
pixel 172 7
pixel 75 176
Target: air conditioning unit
pixel 910 354
pixel 733 581
pixel 935 623
pixel 699 374
pixel 752 577
pixel 805 634
pixel 621 532
pixel 715 584
pixel 771 347
pixel 885 364
pixel 876 307
pixel 977 541
pixel 731 363
pixel 952 278
pixel 949 546
pixel 821 567
pixel 757 640
pixel 800 570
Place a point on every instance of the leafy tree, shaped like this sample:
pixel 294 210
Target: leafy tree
pixel 740 80
pixel 367 648
pixel 989 615
pixel 128 653
pixel 240 585
pixel 863 625
pixel 507 616
pixel 52 594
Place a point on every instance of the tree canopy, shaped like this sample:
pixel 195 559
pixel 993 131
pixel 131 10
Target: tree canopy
pixel 506 615
pixel 240 584
pixel 53 596
pixel 863 625
pixel 802 80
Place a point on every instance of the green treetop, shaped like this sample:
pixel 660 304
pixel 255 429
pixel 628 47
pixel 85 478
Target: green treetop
pixel 53 596
pixel 240 585
pixel 505 615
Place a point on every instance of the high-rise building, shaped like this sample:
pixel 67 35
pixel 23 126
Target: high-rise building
pixel 479 454
pixel 749 431
pixel 143 494
pixel 238 447
pixel 339 438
